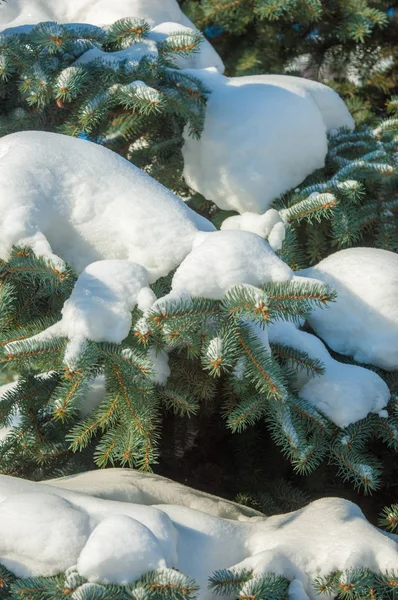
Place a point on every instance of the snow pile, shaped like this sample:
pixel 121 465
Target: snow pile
pixel 97 12
pixel 71 198
pixel 129 485
pixel 363 322
pixel 165 16
pixel 99 308
pixel 344 393
pixel 46 530
pixel 269 225
pixel 134 550
pixel 335 113
pixel 263 135
pixel 222 259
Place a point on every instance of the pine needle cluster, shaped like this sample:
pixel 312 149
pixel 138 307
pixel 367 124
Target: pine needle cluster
pixel 218 343
pixel 352 201
pixel 169 584
pixel 126 97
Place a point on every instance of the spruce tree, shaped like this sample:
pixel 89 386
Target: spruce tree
pixel 44 89
pixel 140 113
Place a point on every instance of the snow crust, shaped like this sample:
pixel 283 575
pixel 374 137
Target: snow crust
pixel 263 135
pixel 363 322
pixel 46 529
pixel 165 17
pixel 222 259
pixel 344 393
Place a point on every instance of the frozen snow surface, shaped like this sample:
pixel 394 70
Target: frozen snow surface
pixel 165 16
pixel 263 135
pixel 363 322
pixel 344 393
pixel 71 198
pixel 48 529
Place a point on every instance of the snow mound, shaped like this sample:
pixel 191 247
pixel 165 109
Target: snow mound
pixel 263 135
pixel 99 308
pixel 334 112
pixel 134 551
pixel 325 535
pixel 97 12
pixel 129 485
pixel 225 258
pixel 71 198
pixel 165 16
pixel 363 322
pixel 41 533
pixel 269 225
pixel 344 393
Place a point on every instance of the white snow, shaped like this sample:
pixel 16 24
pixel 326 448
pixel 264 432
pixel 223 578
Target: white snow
pixel 270 225
pixel 97 12
pixel 334 112
pixel 46 530
pixel 100 306
pixel 263 135
pixel 41 533
pixel 129 485
pixel 165 17
pixel 344 393
pixel 226 258
pixel 131 55
pixel 133 552
pixel 78 200
pixel 94 396
pixel 120 229
pixel 160 361
pixel 363 322
pixel 261 333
